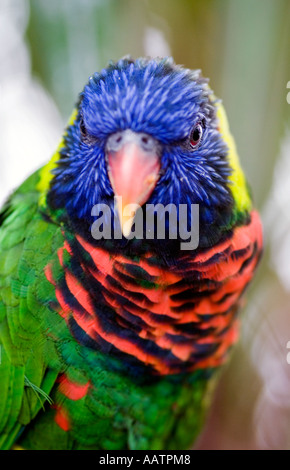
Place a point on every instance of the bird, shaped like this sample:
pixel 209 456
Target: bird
pixel 112 333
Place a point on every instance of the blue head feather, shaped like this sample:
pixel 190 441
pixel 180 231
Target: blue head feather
pixel 166 101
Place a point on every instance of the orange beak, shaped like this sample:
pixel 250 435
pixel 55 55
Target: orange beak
pixel 133 168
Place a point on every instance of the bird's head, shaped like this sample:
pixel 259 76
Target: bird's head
pixel 151 132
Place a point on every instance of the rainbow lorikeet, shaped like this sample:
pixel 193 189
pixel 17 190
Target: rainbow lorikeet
pixel 110 342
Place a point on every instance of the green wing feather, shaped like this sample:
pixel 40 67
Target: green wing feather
pixel 25 380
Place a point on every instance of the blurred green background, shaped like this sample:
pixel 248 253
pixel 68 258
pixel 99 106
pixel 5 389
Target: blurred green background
pixel 48 49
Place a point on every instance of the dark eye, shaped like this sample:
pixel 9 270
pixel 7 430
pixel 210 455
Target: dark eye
pixel 86 137
pixel 83 129
pixel 196 135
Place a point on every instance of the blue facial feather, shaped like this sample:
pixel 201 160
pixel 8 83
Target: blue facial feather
pixel 163 100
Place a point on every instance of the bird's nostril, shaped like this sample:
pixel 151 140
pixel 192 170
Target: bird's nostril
pixel 118 139
pixel 146 142
pixel 115 142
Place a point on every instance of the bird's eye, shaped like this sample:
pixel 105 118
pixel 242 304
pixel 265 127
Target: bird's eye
pixel 83 129
pixel 86 137
pixel 196 135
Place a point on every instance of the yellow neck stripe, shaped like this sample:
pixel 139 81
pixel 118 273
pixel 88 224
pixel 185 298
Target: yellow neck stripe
pixel 238 183
pixel 46 172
